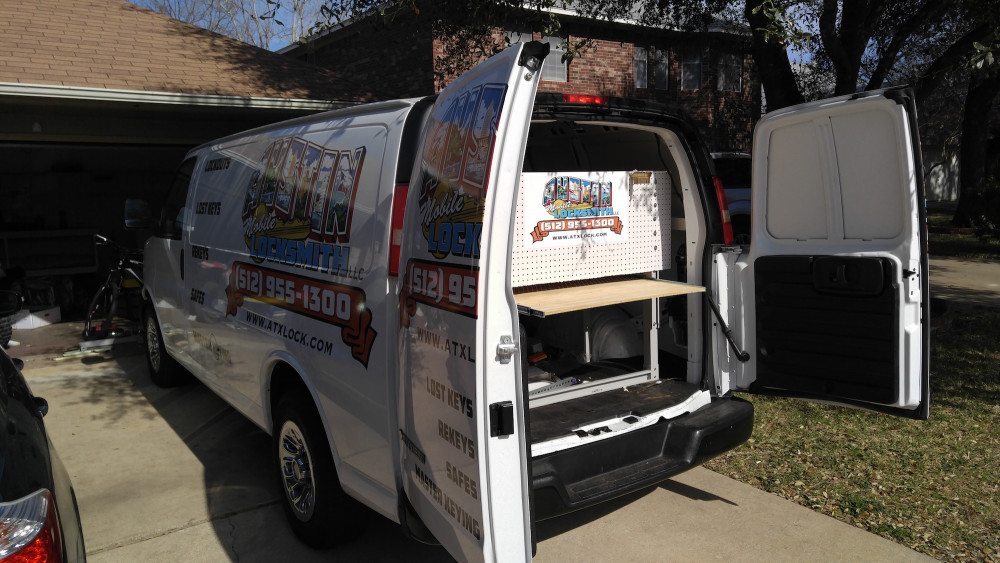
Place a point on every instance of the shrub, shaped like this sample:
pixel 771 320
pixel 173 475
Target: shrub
pixel 986 208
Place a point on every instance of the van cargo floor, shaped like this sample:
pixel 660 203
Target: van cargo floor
pixel 559 419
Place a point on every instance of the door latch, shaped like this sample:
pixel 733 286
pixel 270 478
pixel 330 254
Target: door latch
pixel 506 349
pixel 501 419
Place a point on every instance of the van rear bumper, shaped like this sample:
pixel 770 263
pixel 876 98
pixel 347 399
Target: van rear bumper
pixel 572 479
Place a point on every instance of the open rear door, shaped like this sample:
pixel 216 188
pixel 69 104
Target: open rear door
pixel 463 449
pixel 834 286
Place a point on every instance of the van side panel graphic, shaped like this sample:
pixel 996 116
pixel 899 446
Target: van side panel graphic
pixel 301 190
pixel 340 305
pixel 456 162
pixel 297 211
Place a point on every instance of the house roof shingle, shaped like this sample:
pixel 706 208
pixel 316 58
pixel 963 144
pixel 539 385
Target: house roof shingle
pixel 113 44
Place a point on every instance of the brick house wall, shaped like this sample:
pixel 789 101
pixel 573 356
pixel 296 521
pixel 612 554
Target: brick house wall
pixel 384 64
pixel 389 67
pixel 725 118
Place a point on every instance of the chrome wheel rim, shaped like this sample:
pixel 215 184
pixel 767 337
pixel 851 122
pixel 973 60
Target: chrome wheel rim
pixel 296 471
pixel 153 344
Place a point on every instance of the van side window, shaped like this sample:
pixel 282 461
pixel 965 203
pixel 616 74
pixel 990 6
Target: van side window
pixel 173 214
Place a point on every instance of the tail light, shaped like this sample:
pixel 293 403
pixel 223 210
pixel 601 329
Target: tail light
pixel 396 227
pixel 29 529
pixel 727 222
pixel 585 99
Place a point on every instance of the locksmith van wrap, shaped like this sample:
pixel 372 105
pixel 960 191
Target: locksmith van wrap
pixel 490 306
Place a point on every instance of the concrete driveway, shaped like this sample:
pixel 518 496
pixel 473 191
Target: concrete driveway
pixel 178 475
pixel 965 282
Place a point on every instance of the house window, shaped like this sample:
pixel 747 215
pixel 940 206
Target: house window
pixel 730 73
pixel 517 36
pixel 691 71
pixel 662 70
pixel 639 58
pixel 554 69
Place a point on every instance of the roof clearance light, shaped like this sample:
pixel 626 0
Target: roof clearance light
pixel 585 99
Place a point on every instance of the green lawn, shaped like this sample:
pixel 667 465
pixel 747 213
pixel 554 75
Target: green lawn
pixel 944 240
pixel 934 485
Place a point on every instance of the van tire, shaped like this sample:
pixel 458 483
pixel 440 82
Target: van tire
pixel 163 369
pixel 320 513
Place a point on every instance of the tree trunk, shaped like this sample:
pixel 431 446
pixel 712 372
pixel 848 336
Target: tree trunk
pixel 983 88
pixel 772 63
pixel 845 44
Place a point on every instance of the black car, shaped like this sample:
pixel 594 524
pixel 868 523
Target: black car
pixel 39 517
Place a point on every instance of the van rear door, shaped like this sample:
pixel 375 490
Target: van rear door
pixel 834 285
pixel 463 451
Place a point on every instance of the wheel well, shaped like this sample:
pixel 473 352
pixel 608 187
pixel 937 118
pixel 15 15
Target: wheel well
pixel 148 308
pixel 284 380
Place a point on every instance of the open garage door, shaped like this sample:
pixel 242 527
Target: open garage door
pixel 70 157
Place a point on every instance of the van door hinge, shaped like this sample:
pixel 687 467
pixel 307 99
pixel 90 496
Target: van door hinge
pixel 506 349
pixel 532 55
pixel 501 419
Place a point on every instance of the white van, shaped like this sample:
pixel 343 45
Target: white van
pixel 476 310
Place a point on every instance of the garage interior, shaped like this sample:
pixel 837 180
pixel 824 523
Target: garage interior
pixel 69 158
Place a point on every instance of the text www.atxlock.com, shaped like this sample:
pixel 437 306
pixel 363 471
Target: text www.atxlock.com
pixel 578 235
pixel 290 334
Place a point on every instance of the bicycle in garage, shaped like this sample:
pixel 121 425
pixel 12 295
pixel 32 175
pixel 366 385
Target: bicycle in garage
pixel 111 317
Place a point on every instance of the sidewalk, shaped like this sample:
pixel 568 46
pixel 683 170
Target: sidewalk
pixel 964 282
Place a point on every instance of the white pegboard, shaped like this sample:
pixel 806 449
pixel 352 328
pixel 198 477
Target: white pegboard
pixel 559 239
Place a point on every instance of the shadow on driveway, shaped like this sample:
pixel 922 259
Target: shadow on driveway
pixel 176 471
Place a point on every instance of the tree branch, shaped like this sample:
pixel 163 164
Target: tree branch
pixel 952 56
pixel 929 10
